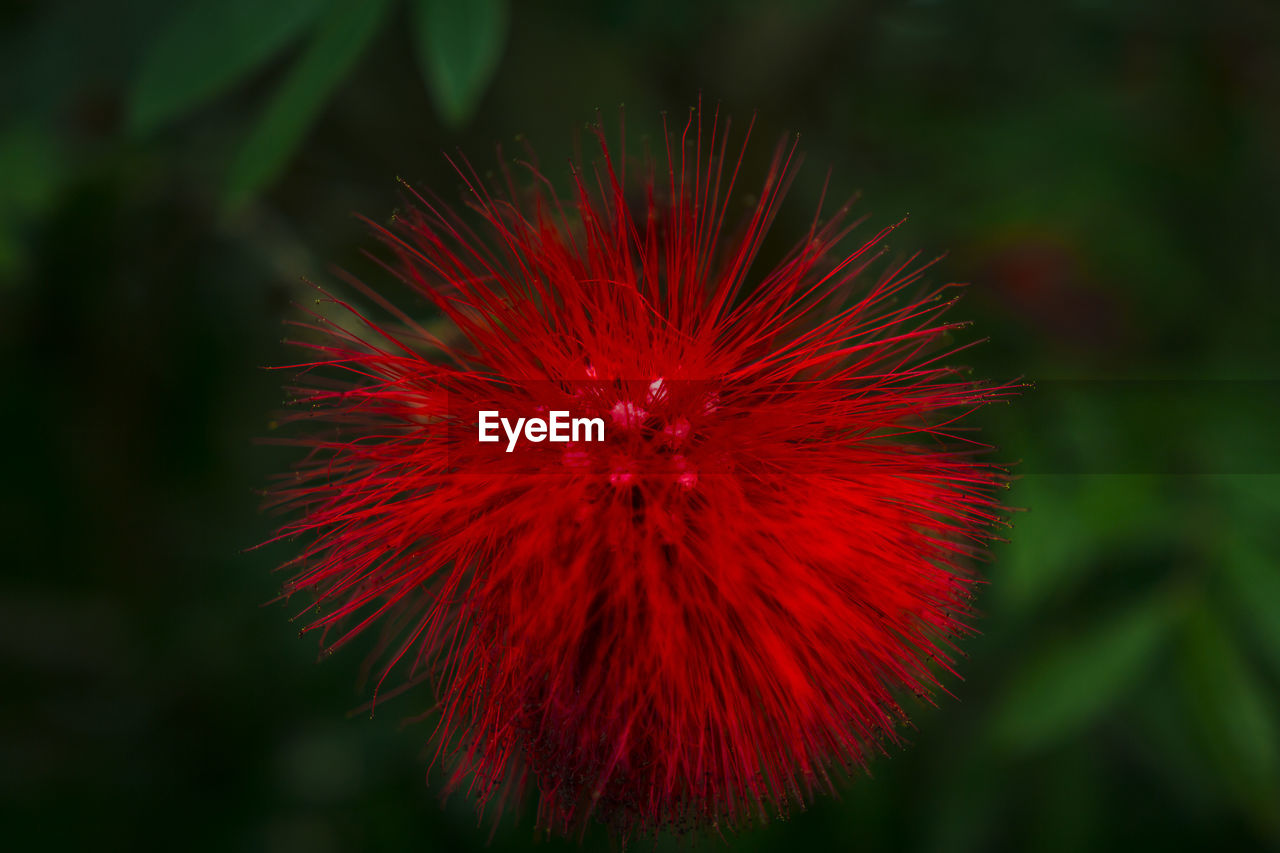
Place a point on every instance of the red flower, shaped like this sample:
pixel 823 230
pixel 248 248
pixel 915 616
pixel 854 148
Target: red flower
pixel 701 618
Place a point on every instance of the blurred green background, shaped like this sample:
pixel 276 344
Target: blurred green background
pixel 1106 174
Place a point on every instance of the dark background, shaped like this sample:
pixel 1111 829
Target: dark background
pixel 1107 175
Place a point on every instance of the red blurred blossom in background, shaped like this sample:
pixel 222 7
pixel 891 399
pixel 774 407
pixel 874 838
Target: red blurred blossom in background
pixel 711 615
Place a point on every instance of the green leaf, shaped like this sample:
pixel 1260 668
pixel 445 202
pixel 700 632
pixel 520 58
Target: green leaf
pixel 1046 557
pixel 1043 555
pixel 340 39
pixel 207 48
pixel 965 804
pixel 459 45
pixel 1071 683
pixel 34 168
pixel 1247 549
pixel 1160 739
pixel 1068 812
pixel 1235 717
pixel 1253 575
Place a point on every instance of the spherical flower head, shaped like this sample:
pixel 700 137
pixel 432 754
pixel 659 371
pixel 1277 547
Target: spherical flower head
pixel 669 533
